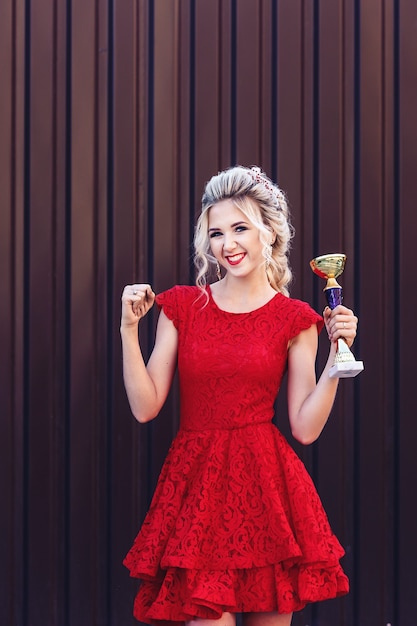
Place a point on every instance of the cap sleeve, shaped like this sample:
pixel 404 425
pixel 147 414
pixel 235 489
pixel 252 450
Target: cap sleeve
pixel 168 302
pixel 304 318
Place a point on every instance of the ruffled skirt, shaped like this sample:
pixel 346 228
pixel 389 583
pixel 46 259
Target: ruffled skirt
pixel 235 525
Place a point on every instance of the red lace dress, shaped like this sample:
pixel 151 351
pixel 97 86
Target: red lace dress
pixel 235 523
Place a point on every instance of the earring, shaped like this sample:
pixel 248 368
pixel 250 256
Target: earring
pixel 218 271
pixel 268 257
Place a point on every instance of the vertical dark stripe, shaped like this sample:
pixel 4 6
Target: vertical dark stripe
pixel 316 141
pixel 316 129
pixel 110 310
pixel 303 159
pixel 233 86
pixel 192 149
pixel 68 278
pixel 274 91
pixel 15 602
pixel 151 133
pixel 357 155
pixel 316 208
pixel 56 466
pixel 356 582
pixel 27 316
pixel 357 148
pixel 397 338
pixel 151 204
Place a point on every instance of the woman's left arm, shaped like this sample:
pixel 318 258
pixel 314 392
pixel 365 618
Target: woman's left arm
pixel 310 402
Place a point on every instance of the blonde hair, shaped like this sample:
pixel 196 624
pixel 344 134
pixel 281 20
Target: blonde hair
pixel 265 205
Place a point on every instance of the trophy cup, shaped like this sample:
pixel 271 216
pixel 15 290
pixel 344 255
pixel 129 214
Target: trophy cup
pixel 329 267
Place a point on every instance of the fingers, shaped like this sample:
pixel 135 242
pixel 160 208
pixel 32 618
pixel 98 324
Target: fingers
pixel 341 322
pixel 137 299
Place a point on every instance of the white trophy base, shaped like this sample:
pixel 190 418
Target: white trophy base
pixel 345 365
pixel 348 369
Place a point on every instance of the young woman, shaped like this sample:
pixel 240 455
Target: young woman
pixel 235 524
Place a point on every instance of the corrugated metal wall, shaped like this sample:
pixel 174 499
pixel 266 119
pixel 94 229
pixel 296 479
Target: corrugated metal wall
pixel 112 116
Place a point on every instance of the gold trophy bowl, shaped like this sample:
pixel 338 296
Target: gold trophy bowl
pixel 330 267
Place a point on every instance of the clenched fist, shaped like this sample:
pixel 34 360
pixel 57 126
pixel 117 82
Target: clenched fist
pixel 136 301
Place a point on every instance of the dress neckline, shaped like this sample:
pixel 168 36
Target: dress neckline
pixel 259 308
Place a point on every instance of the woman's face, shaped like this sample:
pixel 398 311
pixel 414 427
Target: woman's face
pixel 234 240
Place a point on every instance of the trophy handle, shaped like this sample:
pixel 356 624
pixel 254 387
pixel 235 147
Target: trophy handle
pixel 333 296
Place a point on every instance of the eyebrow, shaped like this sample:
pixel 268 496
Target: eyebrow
pixel 232 226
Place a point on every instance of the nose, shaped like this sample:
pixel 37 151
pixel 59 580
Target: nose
pixel 229 242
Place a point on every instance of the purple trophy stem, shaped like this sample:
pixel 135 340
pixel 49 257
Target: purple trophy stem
pixel 334 296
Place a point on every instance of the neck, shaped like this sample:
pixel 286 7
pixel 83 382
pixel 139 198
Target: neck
pixel 241 295
pixel 246 289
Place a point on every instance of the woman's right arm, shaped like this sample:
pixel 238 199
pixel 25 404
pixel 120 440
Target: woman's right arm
pixel 147 386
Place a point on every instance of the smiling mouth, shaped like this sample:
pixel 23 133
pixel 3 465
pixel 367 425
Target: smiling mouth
pixel 236 258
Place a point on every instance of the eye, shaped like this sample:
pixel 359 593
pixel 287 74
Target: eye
pixel 240 229
pixel 215 233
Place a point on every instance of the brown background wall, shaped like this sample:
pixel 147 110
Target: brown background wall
pixel 112 116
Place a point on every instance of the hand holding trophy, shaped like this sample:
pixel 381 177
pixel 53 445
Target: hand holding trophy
pixel 329 267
